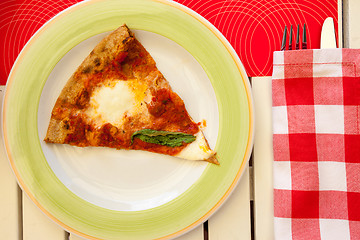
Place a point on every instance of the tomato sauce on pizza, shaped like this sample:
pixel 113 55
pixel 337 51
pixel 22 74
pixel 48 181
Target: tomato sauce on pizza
pixel 118 98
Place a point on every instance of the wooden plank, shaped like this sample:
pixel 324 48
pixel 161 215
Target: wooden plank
pixel 10 197
pixel 351 23
pixel 195 234
pixel 37 226
pixel 75 237
pixel 263 159
pixel 232 221
pixel 340 24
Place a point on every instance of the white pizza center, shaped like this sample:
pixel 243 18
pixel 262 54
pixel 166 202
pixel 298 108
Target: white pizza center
pixel 115 100
pixel 198 149
pixel 110 102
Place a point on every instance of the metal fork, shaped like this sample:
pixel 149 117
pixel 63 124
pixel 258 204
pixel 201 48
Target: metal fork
pixel 297 43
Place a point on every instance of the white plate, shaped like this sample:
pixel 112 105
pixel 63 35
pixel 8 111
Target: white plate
pixel 127 180
pixel 110 194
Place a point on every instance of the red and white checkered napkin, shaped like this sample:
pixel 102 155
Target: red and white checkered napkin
pixel 316 137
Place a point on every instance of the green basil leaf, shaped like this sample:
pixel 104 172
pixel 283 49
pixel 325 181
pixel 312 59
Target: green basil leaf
pixel 166 138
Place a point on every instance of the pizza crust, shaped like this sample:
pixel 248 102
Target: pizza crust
pixel 101 55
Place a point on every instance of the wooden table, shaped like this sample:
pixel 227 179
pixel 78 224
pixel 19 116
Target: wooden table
pixel 248 212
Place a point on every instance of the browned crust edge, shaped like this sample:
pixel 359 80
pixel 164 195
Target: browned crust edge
pixel 104 52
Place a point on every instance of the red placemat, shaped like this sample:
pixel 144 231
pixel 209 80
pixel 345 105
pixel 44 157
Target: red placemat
pixel 253 27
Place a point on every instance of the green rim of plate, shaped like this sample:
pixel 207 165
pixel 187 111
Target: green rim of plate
pixel 52 42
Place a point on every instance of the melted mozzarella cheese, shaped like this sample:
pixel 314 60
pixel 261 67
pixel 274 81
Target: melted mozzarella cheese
pixel 197 150
pixel 117 99
pixel 110 102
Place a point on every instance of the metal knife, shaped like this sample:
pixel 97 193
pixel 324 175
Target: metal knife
pixel 328 37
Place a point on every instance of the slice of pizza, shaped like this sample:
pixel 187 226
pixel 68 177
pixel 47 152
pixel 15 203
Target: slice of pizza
pixel 118 98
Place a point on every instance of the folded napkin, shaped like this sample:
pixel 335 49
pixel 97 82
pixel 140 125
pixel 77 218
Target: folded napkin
pixel 316 138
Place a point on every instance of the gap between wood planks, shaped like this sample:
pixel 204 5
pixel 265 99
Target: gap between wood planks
pixel 251 187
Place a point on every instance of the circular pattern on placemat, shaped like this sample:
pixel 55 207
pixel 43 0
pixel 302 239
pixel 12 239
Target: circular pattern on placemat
pixel 253 27
pixel 19 20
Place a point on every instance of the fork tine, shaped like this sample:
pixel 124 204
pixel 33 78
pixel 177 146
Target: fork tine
pixel 290 38
pixel 283 43
pixel 304 42
pixel 297 45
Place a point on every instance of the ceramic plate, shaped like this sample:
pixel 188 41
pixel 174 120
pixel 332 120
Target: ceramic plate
pixel 101 193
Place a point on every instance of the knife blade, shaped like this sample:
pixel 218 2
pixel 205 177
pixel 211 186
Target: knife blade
pixel 328 37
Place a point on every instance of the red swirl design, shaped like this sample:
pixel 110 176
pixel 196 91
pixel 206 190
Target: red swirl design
pixel 253 27
pixel 19 20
